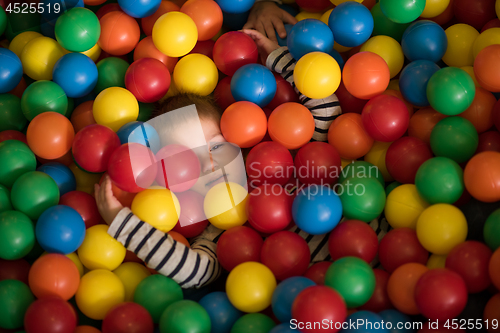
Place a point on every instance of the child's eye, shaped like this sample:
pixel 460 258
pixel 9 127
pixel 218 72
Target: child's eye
pixel 217 146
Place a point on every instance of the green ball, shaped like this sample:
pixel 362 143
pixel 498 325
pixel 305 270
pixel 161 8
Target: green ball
pixel 383 26
pixel 3 21
pixel 362 198
pixel 451 91
pixel 253 323
pixel 42 96
pixel 111 73
pixel 353 278
pixel 455 138
pixel 5 203
pixel 21 22
pixel 145 111
pixel 391 187
pixel 155 293
pixel 402 11
pixel 185 317
pixel 16 159
pixel 491 231
pixel 33 193
pixel 78 29
pixel 361 169
pixel 17 235
pixel 11 114
pixel 15 298
pixel 440 180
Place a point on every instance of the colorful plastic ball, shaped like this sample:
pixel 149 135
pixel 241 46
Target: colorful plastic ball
pixel 225 207
pixel 269 208
pixel 382 26
pixel 424 40
pixel 347 135
pixel 349 103
pixel 308 36
pixel 99 250
pixel 158 207
pixel 362 198
pixel 244 124
pixel 185 316
pixel 175 34
pixel 192 220
pixel 207 16
pixel 405 156
pixel 403 206
pixel 285 294
pixel 380 299
pixel 317 75
pixel 196 74
pixel 435 8
pixel 77 30
pixel 353 238
pixel 253 323
pixel 100 290
pixel 460 38
pixel 3 21
pixel 316 272
pixel 422 122
pixel 140 132
pixel 480 176
pixel 147 49
pixel 39 57
pixel 17 235
pixel 114 107
pixel 486 38
pixel 238 245
pixel 317 163
pixel 235 6
pixel 253 83
pixel 84 204
pixel 389 49
pixel 480 112
pixel 351 23
pixel 413 81
pixel 366 75
pixel 131 274
pixel 120 33
pixel 291 124
pixel 76 74
pixel 50 314
pixel 111 73
pixel 13 135
pixel 127 317
pixel 233 50
pixel 139 9
pixel 490 231
pixel 11 71
pixel 476 14
pixel 401 287
pixel 222 313
pixel 148 79
pixel 441 227
pixel 43 96
pixel 19 42
pixel 148 22
pixel 401 246
pixel 272 157
pixel 17 159
pixel 486 68
pixel 61 174
pixel 15 300
pixel 402 11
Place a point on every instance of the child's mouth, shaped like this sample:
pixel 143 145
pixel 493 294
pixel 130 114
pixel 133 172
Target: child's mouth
pixel 217 180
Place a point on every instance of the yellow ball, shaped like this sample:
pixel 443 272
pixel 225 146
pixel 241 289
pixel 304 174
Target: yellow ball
pixel 131 274
pixel 197 74
pixel 157 206
pixel 460 37
pixel 404 206
pixel 114 107
pixel 175 34
pixel 308 15
pixel 99 291
pixel 250 287
pixel 434 7
pixel 317 75
pixel 326 16
pixel 93 53
pixel 340 48
pixel 39 57
pixel 441 227
pixel 436 261
pixel 84 180
pixel 19 42
pixel 389 49
pixel 376 156
pixel 225 204
pixel 100 250
pixel 470 71
pixel 486 38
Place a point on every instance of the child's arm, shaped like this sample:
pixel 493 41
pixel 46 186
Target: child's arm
pixel 189 267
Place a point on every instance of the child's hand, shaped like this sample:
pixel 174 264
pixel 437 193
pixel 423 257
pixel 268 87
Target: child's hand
pixel 264 44
pixel 107 204
pixel 266 16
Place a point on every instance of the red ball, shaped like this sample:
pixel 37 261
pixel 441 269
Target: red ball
pixel 401 246
pixel 471 260
pixel 148 79
pixel 404 157
pixel 205 47
pixel 178 167
pixel 284 93
pixel 128 317
pixel 238 245
pixel 349 103
pixel 132 167
pixel 222 93
pixel 495 23
pixel 314 6
pixel 353 238
pixel 317 272
pixel 269 208
pixel 318 303
pixel 233 50
pixel 269 163
pixel 286 254
pixel 12 135
pixel 108 8
pixel 14 270
pixel 380 300
pixel 84 204
pixel 318 163
pixel 488 141
pixel 475 13
pixel 93 146
pixel 385 118
pixel 192 221
pixel 50 314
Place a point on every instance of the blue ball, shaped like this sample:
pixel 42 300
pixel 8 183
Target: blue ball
pixel 283 328
pixel 62 175
pixel 140 132
pixel 76 74
pixel 60 229
pixel 253 83
pixel 281 41
pixel 351 23
pixel 424 40
pixel 220 310
pixel 317 209
pixel 139 8
pixel 284 295
pixel 372 323
pixel 336 55
pixel 413 81
pixel 235 6
pixel 396 318
pixel 234 21
pixel 309 35
pixel 11 70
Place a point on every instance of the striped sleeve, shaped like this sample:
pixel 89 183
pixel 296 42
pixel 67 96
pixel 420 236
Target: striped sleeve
pixel 323 110
pixel 190 267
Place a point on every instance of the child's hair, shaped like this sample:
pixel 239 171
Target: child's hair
pixel 205 105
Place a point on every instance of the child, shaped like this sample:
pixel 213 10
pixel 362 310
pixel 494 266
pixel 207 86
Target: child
pixel 198 265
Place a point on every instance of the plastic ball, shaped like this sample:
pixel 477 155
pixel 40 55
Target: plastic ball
pixel 139 9
pixel 460 38
pixel 131 274
pixel 17 235
pixel 233 50
pixel 197 74
pixel 238 245
pixel 127 317
pixel 401 287
pixel 61 174
pixel 486 68
pixel 308 36
pixel 269 208
pixel 15 300
pixel 50 314
pixel 226 209
pixel 271 157
pixel 353 238
pixel 321 163
pixel 291 124
pixel 192 220
pixel 148 79
pixel 235 7
pixel 148 22
pixel 19 42
pixel 422 122
pixel 84 204
pixel 317 272
pixel 402 11
pixel 11 71
pixel 158 207
pixel 140 132
pixel 347 135
pixel 76 74
pixel 440 180
pixel 77 30
pixel 351 23
pixel 475 14
pixel 285 294
pixel 389 49
pixel 405 156
pixel 380 299
pixel 43 96
pixel 317 75
pixel 401 246
pixel 17 159
pixel 435 8
pixel 488 141
pixel 361 169
pixel 175 34
pixel 480 176
pixel 424 40
pixel 111 73
pixel 39 57
pixel 253 83
pixel 382 26
pixel 186 315
pixel 244 124
pixel 480 112
pixel 222 313
pixel 114 107
pixel 120 33
pixel 441 227
pixel 253 323
pixel 486 38
pixel 403 207
pixel 147 49
pixel 207 16
pixel 15 270
pixel 362 198
pixel 99 250
pixel 413 81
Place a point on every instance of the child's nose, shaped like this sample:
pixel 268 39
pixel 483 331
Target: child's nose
pixel 208 163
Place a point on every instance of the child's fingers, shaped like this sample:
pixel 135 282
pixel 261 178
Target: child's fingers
pixel 289 18
pixel 280 28
pixel 271 34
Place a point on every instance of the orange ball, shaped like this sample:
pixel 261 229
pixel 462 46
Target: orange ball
pixel 207 16
pixel 401 287
pixel 366 75
pixel 482 176
pixel 178 237
pixel 120 33
pixel 54 275
pixel 487 68
pixel 492 312
pixel 147 23
pixel 495 268
pixel 147 49
pixel 348 136
pixel 86 329
pixel 291 124
pixel 50 135
pixel 479 113
pixel 422 122
pixel 244 124
pixel 83 116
